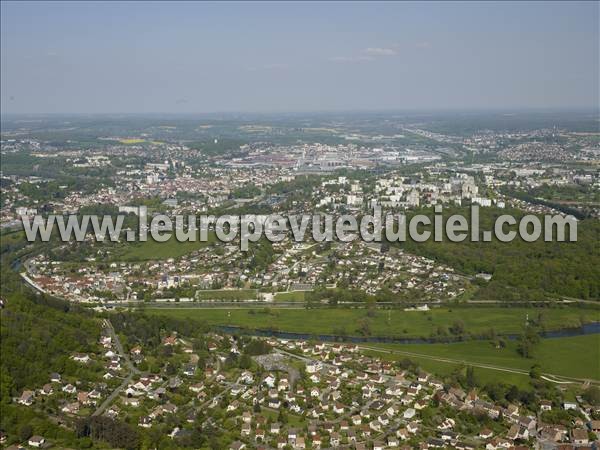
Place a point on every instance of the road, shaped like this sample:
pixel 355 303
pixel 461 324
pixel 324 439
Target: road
pixel 220 304
pixel 130 367
pixel 229 386
pixel 117 341
pixel 113 395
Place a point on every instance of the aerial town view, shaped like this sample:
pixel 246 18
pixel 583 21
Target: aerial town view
pixel 273 225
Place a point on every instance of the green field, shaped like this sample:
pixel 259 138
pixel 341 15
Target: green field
pixel 151 250
pixel 444 369
pixel 577 357
pixel 393 323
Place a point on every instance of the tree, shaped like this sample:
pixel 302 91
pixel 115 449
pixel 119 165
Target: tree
pixel 527 340
pixel 407 364
pixel 524 347
pixel 364 327
pixel 457 328
pixel 592 395
pixel 496 391
pixel 513 394
pixel 25 432
pixel 470 377
pixel 535 372
pixel 245 361
pixel 282 417
pixel 116 433
pixel 170 369
pixel 257 347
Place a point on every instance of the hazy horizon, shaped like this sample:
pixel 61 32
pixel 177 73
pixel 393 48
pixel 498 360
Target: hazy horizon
pixel 262 58
pixel 441 111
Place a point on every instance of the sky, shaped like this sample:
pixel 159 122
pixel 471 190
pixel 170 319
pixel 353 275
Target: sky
pixel 192 57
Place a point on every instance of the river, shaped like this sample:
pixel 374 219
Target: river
pixel 588 328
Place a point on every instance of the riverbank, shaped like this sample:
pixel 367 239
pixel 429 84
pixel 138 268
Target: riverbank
pixel 568 354
pixel 394 326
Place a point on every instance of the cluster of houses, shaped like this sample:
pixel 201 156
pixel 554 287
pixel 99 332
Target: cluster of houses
pixel 350 400
pixel 167 173
pixel 358 266
pixel 80 397
pixel 362 266
pixel 307 395
pixel 303 395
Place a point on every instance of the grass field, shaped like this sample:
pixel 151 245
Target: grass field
pixel 293 419
pixel 12 237
pixel 150 250
pixel 393 323
pixel 577 357
pixel 443 369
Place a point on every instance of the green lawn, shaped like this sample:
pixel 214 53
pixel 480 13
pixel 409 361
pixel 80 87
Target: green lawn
pixel 293 419
pixel 151 250
pixel 393 323
pixel 577 357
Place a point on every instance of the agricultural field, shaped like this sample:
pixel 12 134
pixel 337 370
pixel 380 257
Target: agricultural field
pixel 568 356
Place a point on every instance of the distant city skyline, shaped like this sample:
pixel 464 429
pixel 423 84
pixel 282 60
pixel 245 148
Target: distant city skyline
pixel 186 58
